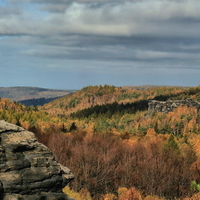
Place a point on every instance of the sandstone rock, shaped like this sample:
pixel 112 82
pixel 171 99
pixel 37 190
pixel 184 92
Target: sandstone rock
pixel 28 170
pixel 168 106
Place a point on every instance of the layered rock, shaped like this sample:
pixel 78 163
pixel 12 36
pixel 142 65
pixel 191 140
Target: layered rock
pixel 168 106
pixel 28 170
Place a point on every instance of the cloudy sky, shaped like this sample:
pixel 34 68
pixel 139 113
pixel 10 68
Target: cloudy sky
pixel 69 44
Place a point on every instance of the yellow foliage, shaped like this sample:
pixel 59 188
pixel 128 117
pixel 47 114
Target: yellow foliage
pixel 194 140
pixel 122 190
pixel 82 195
pixel 110 197
pixel 153 198
pixel 25 124
pixel 151 132
pixel 132 140
pixel 129 194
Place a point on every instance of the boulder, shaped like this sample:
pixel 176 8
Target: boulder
pixel 28 169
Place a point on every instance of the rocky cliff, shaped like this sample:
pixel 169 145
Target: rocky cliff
pixel 28 170
pixel 168 106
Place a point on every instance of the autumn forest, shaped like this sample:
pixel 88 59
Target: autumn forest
pixel 113 147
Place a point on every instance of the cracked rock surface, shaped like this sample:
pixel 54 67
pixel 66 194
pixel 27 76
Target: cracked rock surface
pixel 28 170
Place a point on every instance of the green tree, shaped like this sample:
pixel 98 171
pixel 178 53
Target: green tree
pixel 73 127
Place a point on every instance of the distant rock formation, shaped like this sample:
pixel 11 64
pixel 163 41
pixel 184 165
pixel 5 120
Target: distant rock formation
pixel 28 170
pixel 170 105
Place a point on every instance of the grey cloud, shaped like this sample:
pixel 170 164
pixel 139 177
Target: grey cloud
pixel 146 33
pixel 148 43
pixel 135 51
pixel 54 8
pixel 81 1
pixel 108 18
pixel 9 11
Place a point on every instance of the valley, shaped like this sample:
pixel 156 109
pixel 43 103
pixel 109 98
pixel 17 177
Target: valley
pixel 116 148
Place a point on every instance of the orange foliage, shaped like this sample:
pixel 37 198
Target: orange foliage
pixel 109 197
pixel 151 132
pixel 156 155
pixel 194 197
pixel 153 198
pixel 129 194
pixel 102 163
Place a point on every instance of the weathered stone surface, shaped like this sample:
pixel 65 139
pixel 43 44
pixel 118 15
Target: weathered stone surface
pixel 28 170
pixel 168 106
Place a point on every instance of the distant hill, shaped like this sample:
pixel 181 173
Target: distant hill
pixel 37 102
pixel 91 96
pixel 32 94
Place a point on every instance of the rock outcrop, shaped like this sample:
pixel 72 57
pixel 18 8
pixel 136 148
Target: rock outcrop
pixel 28 170
pixel 168 106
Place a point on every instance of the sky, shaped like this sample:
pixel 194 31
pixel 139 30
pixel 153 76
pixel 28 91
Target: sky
pixel 65 44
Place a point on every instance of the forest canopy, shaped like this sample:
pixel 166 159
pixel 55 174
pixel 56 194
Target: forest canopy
pixel 116 151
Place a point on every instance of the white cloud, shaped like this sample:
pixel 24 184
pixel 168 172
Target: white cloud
pixel 108 18
pixel 165 55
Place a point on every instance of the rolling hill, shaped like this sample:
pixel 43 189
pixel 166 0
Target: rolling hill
pixel 91 96
pixel 32 95
pixel 106 135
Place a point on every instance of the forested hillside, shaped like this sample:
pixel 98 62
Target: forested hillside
pixel 100 95
pixel 116 151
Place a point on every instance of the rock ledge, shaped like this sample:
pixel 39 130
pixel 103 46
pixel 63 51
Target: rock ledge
pixel 28 170
pixel 170 105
